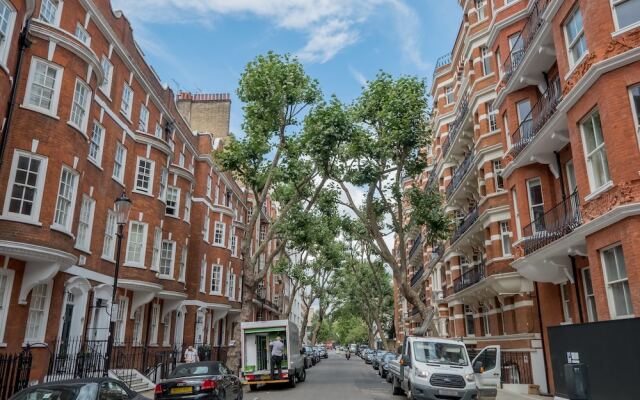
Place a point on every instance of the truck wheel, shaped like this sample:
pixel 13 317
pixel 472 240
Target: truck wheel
pixel 302 376
pixel 397 390
pixel 253 388
pixel 292 381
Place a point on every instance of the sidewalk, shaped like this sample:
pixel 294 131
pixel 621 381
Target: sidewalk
pixel 506 395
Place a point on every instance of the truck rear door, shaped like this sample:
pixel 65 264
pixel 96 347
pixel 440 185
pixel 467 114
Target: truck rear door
pixel 487 371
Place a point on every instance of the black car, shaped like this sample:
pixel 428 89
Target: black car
pixel 84 389
pixel 376 358
pixel 202 380
pixel 383 370
pixel 310 359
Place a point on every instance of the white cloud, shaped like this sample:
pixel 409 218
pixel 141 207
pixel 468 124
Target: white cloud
pixel 330 26
pixel 358 76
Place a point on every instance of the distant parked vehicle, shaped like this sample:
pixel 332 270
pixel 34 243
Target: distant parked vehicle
pixel 383 370
pixel 375 360
pixel 80 389
pixel 209 379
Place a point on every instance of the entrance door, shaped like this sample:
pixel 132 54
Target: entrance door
pixel 487 370
pixel 66 324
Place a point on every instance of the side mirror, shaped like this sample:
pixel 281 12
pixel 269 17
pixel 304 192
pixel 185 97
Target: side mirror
pixel 477 367
pixel 405 360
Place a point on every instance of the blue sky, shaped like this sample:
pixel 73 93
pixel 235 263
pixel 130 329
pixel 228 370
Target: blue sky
pixel 203 45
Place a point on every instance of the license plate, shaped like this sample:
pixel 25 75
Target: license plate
pixel 445 392
pixel 181 390
pixel 266 377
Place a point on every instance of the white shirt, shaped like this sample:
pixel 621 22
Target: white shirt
pixel 277 348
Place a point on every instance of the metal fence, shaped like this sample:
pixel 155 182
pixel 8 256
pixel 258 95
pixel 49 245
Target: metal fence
pixel 515 366
pixel 14 372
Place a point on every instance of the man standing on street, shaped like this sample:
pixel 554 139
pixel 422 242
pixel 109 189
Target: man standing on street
pixel 276 356
pixel 190 355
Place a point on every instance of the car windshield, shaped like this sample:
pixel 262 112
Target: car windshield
pixel 440 353
pixel 60 392
pixel 389 357
pixel 195 370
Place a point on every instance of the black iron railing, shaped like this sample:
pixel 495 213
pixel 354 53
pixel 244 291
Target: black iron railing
pixel 466 223
pixel 15 370
pixel 460 174
pixel 442 61
pixel 456 125
pixel 528 33
pixel 469 278
pixel 431 182
pixel 436 254
pixel 562 219
pixel 516 367
pixel 416 245
pixel 541 112
pixel 417 275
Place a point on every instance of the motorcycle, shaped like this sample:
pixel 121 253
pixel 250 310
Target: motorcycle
pixel 348 355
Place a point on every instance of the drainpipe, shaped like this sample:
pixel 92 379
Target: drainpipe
pixel 544 348
pixel 574 269
pixel 23 43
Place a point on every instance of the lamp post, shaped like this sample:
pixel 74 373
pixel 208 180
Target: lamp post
pixel 260 293
pixel 122 207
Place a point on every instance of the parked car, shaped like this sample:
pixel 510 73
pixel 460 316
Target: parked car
pixel 368 356
pixel 377 356
pixel 208 379
pixel 323 352
pixel 383 370
pixel 311 357
pixel 82 389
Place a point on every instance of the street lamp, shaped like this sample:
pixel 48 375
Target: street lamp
pixel 260 293
pixel 122 207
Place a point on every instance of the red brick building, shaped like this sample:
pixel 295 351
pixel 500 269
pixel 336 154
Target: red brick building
pixel 84 118
pixel 537 124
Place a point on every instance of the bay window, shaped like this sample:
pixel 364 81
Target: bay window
pixel 85 224
pixel 218 233
pixel 127 101
pixel 575 38
pixel 172 201
pixel 27 184
pixel 167 258
pixel 536 205
pixel 216 279
pixel 119 163
pixel 136 244
pixel 595 153
pixel 43 86
pixel 626 13
pixel 65 202
pixel 616 282
pixel 144 177
pixel 96 144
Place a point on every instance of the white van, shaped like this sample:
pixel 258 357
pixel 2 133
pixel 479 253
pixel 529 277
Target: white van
pixel 433 368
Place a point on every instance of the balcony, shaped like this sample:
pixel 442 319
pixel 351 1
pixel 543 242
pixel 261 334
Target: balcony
pixel 559 221
pixel 456 126
pixel 469 278
pixel 466 223
pixel 441 62
pixel 460 174
pixel 545 108
pixel 534 51
pixel 436 255
pixel 416 245
pixel 417 275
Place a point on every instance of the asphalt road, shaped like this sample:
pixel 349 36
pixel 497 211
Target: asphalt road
pixel 334 378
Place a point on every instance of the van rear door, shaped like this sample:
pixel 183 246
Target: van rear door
pixel 487 371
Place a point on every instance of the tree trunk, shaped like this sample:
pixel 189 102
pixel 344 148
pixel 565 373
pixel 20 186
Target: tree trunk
pixel 246 313
pixel 289 304
pixel 316 329
pixel 305 321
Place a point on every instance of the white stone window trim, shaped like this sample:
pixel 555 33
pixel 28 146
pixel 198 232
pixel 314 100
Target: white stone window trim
pixel 66 228
pixel 145 231
pixel 139 189
pixel 86 107
pixel 40 335
pixel 216 274
pixel 570 43
pixel 616 24
pixel 97 160
pixel 57 17
pixel 34 218
pixel 595 190
pixel 607 283
pixel 222 231
pixel 53 111
pixel 86 245
pixel 9 274
pixel 126 102
pixel 82 35
pixel 177 201
pixel 5 45
pixel 123 164
pixel 172 260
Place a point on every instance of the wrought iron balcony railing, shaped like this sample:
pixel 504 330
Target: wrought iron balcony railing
pixel 466 223
pixel 417 275
pixel 460 174
pixel 528 33
pixel 416 245
pixel 559 221
pixel 442 61
pixel 469 278
pixel 456 125
pixel 541 112
pixel 436 254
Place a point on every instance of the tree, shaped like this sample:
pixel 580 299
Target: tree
pixel 387 129
pixel 273 159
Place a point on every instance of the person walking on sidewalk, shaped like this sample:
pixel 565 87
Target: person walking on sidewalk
pixel 277 348
pixel 191 355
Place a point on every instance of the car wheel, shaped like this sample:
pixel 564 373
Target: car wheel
pixel 397 390
pixel 253 388
pixel 302 376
